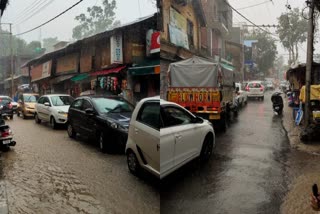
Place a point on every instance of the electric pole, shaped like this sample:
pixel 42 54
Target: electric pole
pixel 11 56
pixel 309 63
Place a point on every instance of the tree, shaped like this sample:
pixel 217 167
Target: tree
pixel 266 50
pixel 99 19
pixel 292 31
pixel 48 43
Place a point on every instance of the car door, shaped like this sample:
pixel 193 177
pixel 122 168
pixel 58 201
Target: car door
pixel 88 122
pixel 46 110
pixel 74 114
pixel 186 133
pixel 167 144
pixel 39 107
pixel 147 133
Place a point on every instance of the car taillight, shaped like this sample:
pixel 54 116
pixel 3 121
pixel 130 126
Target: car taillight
pixel 5 133
pixel 261 88
pixel 247 88
pixel 10 105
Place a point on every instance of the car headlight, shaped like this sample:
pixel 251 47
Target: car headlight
pixel 119 127
pixel 62 112
pixel 114 125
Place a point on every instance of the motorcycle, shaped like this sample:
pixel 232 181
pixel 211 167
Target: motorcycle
pixel 277 103
pixel 6 134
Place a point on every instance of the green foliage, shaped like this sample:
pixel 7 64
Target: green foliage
pixel 97 20
pixel 266 50
pixel 292 30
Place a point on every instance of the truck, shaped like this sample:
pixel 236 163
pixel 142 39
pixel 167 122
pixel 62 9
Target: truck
pixel 205 88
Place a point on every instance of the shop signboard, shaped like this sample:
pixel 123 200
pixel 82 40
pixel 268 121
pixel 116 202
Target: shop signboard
pixel 177 20
pixel 41 71
pixel 46 69
pixel 116 49
pixel 25 71
pixel 178 37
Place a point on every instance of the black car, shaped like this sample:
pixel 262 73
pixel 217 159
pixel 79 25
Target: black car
pixel 104 118
pixel 7 107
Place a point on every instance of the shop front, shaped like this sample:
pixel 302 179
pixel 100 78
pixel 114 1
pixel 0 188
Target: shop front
pixel 40 75
pixel 110 80
pixel 145 79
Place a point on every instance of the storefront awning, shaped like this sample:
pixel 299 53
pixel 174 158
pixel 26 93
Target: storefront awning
pixel 108 71
pixel 79 77
pixel 150 67
pixel 61 78
pixel 226 66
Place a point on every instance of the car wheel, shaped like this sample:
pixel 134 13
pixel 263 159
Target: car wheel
pixel 133 163
pixel 262 98
pixel 11 117
pixel 18 113
pixel 23 116
pixel 102 143
pixel 223 122
pixel 71 132
pixel 36 118
pixel 53 123
pixel 207 149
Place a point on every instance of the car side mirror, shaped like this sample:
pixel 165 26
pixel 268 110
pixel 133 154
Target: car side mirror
pixel 89 111
pixel 197 120
pixel 47 104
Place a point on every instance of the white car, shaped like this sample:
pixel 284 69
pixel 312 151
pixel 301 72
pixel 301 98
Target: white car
pixel 255 89
pixel 182 137
pixel 242 97
pixel 53 108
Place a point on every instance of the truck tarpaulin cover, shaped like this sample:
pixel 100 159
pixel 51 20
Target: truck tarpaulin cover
pixel 193 72
pixel 314 93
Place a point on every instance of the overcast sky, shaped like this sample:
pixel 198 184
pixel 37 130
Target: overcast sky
pixel 127 11
pixel 267 13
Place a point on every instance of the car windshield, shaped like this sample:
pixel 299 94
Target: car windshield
pixel 30 98
pixel 5 100
pixel 254 85
pixel 107 105
pixel 61 100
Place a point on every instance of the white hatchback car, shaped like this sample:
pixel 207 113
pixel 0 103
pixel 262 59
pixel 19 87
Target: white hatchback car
pixel 255 89
pixel 53 108
pixel 182 137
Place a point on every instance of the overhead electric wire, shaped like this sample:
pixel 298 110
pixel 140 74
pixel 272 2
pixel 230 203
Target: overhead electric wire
pixel 36 12
pixel 27 10
pixel 235 10
pixel 254 5
pixel 50 19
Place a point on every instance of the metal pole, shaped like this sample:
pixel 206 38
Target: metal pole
pixel 12 68
pixel 309 64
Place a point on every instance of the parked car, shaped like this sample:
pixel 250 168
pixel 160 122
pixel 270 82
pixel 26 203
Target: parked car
pixel 270 85
pixel 255 90
pixel 27 103
pixel 53 108
pixel 6 103
pixel 104 118
pixel 242 97
pixel 183 137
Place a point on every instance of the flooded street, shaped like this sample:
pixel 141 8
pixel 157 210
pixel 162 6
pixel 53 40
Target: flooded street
pixel 247 175
pixel 49 173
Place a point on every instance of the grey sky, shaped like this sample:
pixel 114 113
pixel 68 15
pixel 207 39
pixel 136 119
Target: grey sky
pixel 267 14
pixel 127 11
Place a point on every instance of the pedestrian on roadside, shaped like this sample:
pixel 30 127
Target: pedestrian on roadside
pixel 314 202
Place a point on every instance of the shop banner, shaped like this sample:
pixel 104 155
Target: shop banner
pixel 155 42
pixel 178 37
pixel 116 49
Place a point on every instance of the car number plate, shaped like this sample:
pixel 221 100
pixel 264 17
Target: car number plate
pixel 6 141
pixel 214 116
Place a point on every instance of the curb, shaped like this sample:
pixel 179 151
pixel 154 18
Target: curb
pixel 3 198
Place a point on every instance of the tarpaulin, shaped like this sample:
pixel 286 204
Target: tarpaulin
pixel 314 93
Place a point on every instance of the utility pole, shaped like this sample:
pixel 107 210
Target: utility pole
pixel 309 63
pixel 11 56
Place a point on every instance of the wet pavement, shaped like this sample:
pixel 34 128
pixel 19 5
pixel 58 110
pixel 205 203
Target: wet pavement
pixel 248 174
pixel 49 173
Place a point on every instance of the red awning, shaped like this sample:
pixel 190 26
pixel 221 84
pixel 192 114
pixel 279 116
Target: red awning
pixel 108 71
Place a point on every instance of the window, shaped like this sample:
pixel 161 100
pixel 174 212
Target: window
pixel 190 32
pixel 254 85
pixel 173 116
pixel 30 98
pixel 77 104
pixel 46 100
pixel 41 100
pixel 112 105
pixel 86 104
pixel 61 100
pixel 149 114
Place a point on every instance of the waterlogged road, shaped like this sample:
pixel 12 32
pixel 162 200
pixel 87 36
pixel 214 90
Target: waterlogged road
pixel 49 173
pixel 247 175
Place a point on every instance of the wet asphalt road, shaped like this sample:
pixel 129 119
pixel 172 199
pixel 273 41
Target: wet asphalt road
pixel 248 173
pixel 49 173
